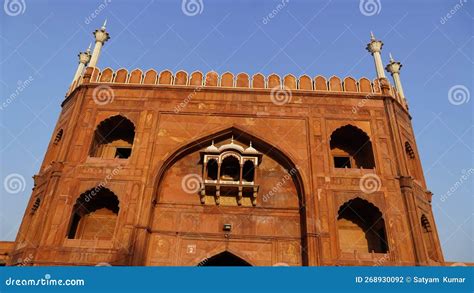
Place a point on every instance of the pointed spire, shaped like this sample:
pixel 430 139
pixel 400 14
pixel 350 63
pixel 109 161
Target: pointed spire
pixel 250 143
pixel 232 139
pixel 372 37
pixel 104 25
pixel 391 58
pixel 89 48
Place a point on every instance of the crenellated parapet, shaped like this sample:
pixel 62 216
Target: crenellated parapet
pixel 229 80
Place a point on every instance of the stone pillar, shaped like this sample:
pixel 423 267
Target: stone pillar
pixel 101 36
pixel 406 186
pixel 374 47
pixel 84 58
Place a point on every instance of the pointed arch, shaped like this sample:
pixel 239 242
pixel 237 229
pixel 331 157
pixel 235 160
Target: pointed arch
pixel 121 76
pixel 181 78
pixel 107 75
pixel 94 215
pixel 165 77
pixel 204 141
pixel 320 83
pixel 274 81
pixel 150 77
pixel 225 258
pixel 361 227
pixel 227 80
pixel 196 78
pixel 113 138
pixel 335 84
pixel 136 76
pixel 258 81
pixel 242 80
pixel 289 82
pixel 212 78
pixel 351 148
pixel 305 83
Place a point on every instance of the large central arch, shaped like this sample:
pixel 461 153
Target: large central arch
pixel 244 136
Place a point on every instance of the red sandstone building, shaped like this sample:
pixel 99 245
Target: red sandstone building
pixel 191 169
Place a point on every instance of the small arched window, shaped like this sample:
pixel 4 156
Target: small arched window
pixel 428 238
pixel 361 227
pixel 248 171
pixel 230 169
pixel 409 150
pixel 35 205
pixel 212 169
pixel 351 148
pixel 113 138
pixel 59 136
pixel 94 215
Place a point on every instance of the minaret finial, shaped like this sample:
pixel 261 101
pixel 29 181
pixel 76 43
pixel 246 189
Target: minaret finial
pixel 104 25
pixel 89 48
pixel 212 142
pixel 372 37
pixel 250 143
pixel 232 139
pixel 391 58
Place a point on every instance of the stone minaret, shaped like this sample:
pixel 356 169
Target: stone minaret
pixel 101 36
pixel 394 68
pixel 84 58
pixel 374 47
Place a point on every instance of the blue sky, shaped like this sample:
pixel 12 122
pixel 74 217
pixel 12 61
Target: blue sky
pixel 41 43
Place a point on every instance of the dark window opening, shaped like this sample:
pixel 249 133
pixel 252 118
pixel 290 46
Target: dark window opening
pixel 212 169
pixel 248 172
pixel 342 162
pixel 123 153
pixel 230 169
pixel 113 138
pixel 224 259
pixel 36 205
pixel 58 137
pixel 361 227
pixel 94 215
pixel 350 141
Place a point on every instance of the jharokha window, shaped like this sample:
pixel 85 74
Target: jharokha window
pixel 351 148
pixel 229 174
pixel 113 138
